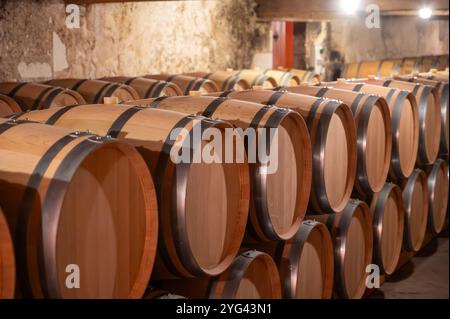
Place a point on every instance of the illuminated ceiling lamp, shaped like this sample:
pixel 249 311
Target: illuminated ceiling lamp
pixel 425 12
pixel 349 6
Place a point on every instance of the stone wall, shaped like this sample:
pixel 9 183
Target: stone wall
pixel 127 38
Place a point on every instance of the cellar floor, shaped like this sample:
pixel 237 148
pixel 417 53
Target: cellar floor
pixel 425 276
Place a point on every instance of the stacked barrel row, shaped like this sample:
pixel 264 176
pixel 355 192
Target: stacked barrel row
pixel 392 67
pixel 226 229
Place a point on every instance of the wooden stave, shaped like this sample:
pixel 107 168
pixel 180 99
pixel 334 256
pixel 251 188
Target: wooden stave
pixel 147 88
pixel 396 102
pixel 408 191
pixel 318 202
pixel 338 224
pixel 260 224
pixel 377 209
pixel 432 171
pixel 358 106
pixel 101 88
pixel 46 285
pixel 186 83
pixel 167 265
pixel 44 99
pixel 7 261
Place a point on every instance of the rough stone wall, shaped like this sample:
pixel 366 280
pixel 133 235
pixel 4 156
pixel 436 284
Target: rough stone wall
pixel 397 37
pixel 127 38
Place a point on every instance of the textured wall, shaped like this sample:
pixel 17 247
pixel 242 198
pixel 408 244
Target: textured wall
pixel 397 37
pixel 127 38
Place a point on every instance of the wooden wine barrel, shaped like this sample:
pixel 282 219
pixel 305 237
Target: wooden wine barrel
pixel 427 98
pixel 306 264
pixel 225 80
pixel 255 77
pixel 367 68
pixel 252 275
pixel 438 195
pixel 351 231
pixel 351 70
pixel 8 106
pixel 443 92
pixel 280 197
pixel 34 96
pixel 404 123
pixel 147 87
pixel 186 83
pixel 410 65
pixel 389 68
pixel 415 200
pixel 49 195
pixel 428 62
pixel 333 139
pixel 388 223
pixel 203 207
pixel 94 91
pixel 7 261
pixel 373 134
pixel 283 78
pixel 305 76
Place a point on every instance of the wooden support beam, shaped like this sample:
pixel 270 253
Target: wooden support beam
pixel 307 10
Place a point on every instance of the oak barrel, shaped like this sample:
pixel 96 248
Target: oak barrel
pixel 94 91
pixel 224 80
pixel 186 83
pixel 410 65
pixel 428 102
pixel 415 200
pixel 7 261
pixel 49 195
pixel 373 134
pixel 280 196
pixel 367 68
pixel 351 70
pixel 255 77
pixel 389 67
pixel 333 139
pixel 252 275
pixel 404 123
pixel 443 92
pixel 34 96
pixel 438 195
pixel 388 223
pixel 147 87
pixel 203 207
pixel 306 264
pixel 8 106
pixel 352 235
pixel 284 78
pixel 428 62
pixel 305 76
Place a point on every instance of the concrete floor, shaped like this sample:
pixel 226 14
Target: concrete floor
pixel 426 276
